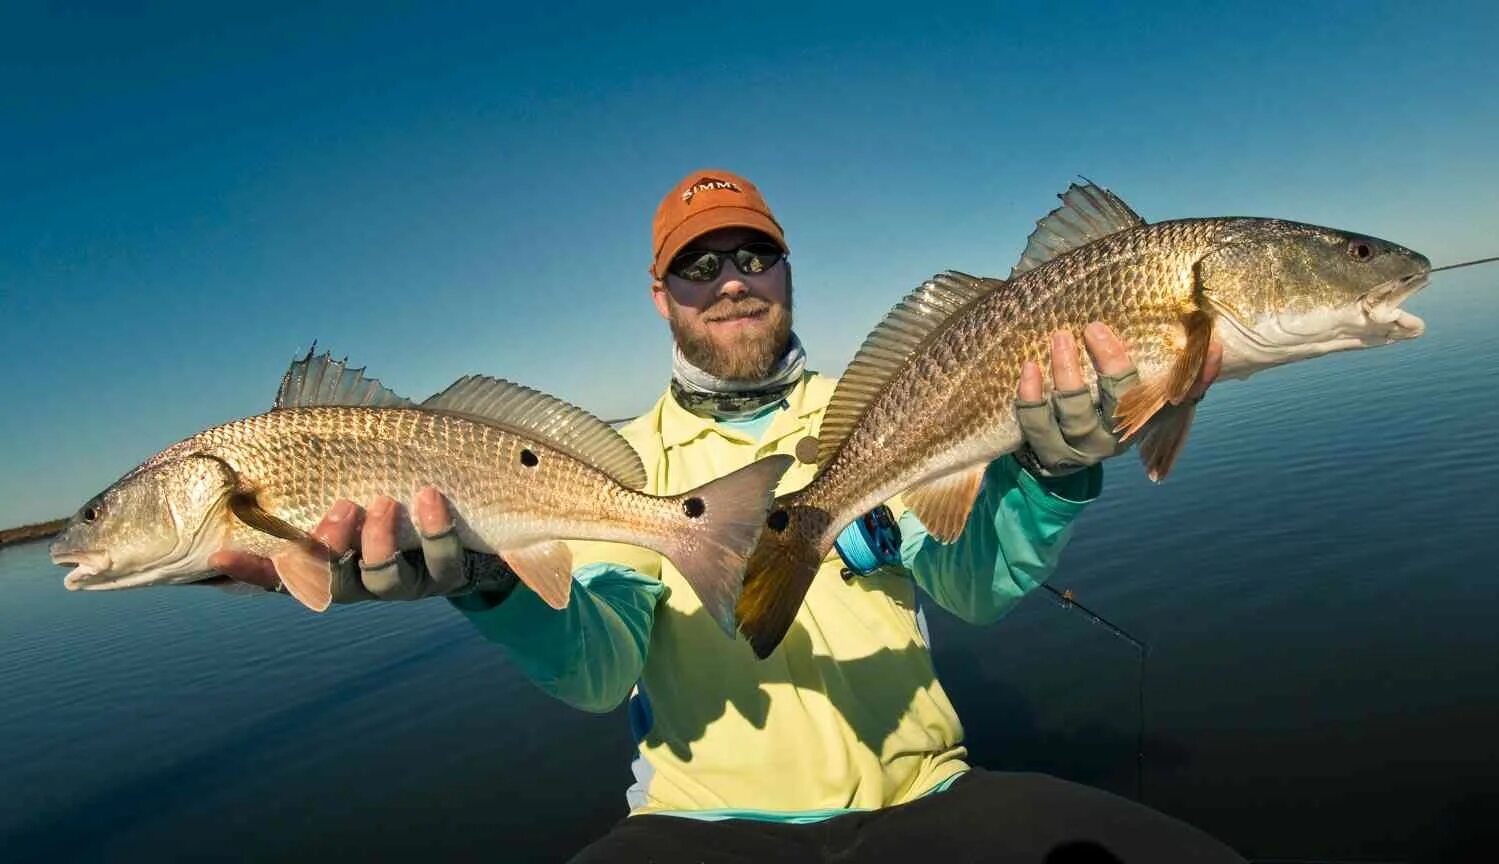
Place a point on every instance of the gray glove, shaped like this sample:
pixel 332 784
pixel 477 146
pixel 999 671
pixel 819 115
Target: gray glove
pixel 1069 432
pixel 442 568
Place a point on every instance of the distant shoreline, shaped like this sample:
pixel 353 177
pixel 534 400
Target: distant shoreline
pixel 28 533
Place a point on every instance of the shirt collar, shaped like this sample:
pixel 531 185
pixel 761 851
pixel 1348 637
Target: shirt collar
pixel 679 426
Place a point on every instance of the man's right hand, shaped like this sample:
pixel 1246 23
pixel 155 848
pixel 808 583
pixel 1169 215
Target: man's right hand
pixel 369 566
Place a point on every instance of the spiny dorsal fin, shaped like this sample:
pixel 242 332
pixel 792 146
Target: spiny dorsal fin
pixel 890 346
pixel 545 419
pixel 321 380
pixel 1088 212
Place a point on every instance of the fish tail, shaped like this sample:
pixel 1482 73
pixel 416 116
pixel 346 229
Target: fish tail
pixel 780 572
pixel 725 518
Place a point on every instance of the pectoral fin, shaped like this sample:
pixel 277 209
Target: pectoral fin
pixel 1143 401
pixel 546 568
pixel 248 510
pixel 305 567
pixel 943 504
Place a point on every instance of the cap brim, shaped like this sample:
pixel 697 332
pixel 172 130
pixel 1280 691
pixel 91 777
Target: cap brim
pixel 699 224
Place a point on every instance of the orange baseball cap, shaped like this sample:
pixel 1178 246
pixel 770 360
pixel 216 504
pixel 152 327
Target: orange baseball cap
pixel 706 201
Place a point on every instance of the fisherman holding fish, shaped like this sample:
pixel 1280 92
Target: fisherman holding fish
pixel 842 739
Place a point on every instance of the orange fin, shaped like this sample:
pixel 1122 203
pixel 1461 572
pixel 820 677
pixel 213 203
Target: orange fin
pixel 307 574
pixel 1136 407
pixel 1165 439
pixel 546 568
pixel 1188 366
pixel 943 503
pixel 1141 403
pixel 247 509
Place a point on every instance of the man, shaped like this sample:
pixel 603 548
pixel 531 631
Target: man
pixel 842 743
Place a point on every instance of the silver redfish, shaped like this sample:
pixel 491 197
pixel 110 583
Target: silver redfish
pixel 523 472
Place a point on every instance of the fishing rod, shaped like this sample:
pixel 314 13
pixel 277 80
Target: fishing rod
pixel 1068 600
pixel 1464 264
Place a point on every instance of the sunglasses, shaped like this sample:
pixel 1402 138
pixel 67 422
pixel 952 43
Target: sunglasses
pixel 703 265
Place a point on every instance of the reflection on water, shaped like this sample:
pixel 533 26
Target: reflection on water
pixel 1315 583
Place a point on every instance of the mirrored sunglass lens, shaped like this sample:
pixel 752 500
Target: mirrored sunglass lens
pixel 755 258
pixel 696 266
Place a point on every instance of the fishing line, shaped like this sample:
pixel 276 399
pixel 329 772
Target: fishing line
pixel 1068 601
pixel 1464 264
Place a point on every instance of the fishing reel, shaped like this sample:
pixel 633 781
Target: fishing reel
pixel 868 543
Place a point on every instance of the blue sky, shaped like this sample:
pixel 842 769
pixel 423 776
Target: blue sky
pixel 189 195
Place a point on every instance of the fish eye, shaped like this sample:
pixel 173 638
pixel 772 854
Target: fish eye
pixel 91 514
pixel 1360 250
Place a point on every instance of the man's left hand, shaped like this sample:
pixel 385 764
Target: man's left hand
pixel 1071 431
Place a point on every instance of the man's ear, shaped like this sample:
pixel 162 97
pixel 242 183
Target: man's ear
pixel 659 297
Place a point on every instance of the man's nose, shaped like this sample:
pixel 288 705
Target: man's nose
pixel 733 287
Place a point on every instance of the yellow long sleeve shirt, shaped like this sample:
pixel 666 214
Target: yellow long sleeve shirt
pixel 847 713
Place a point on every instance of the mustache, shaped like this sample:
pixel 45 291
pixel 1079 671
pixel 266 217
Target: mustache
pixel 727 310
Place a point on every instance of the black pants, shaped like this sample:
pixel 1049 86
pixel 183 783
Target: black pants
pixel 985 816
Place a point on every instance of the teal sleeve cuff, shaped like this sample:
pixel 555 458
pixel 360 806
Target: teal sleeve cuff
pixel 1010 545
pixel 1064 495
pixel 481 600
pixel 588 654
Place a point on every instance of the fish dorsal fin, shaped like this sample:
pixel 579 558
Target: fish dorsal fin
pixel 913 322
pixel 1088 212
pixel 544 419
pixel 321 380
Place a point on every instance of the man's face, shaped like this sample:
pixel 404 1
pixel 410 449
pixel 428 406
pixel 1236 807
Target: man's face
pixel 735 326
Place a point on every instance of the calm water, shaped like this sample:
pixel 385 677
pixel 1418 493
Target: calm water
pixel 1317 584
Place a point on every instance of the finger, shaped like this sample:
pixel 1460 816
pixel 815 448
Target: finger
pixel 441 549
pixel 431 508
pixel 1111 389
pixel 244 567
pixel 1077 414
pixel 347 583
pixel 338 527
pixel 394 578
pixel 377 539
pixel 1030 382
pixel 1109 353
pixel 1038 425
pixel 1211 366
pixel 1066 374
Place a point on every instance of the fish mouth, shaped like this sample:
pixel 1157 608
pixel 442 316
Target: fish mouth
pixel 90 570
pixel 1373 319
pixel 1381 306
pixel 92 573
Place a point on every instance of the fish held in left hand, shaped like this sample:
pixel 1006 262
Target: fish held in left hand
pixel 522 471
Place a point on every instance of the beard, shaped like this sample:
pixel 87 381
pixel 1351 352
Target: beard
pixel 748 354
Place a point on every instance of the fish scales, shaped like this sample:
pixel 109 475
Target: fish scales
pixel 926 413
pixel 300 461
pixel 958 397
pixel 521 472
